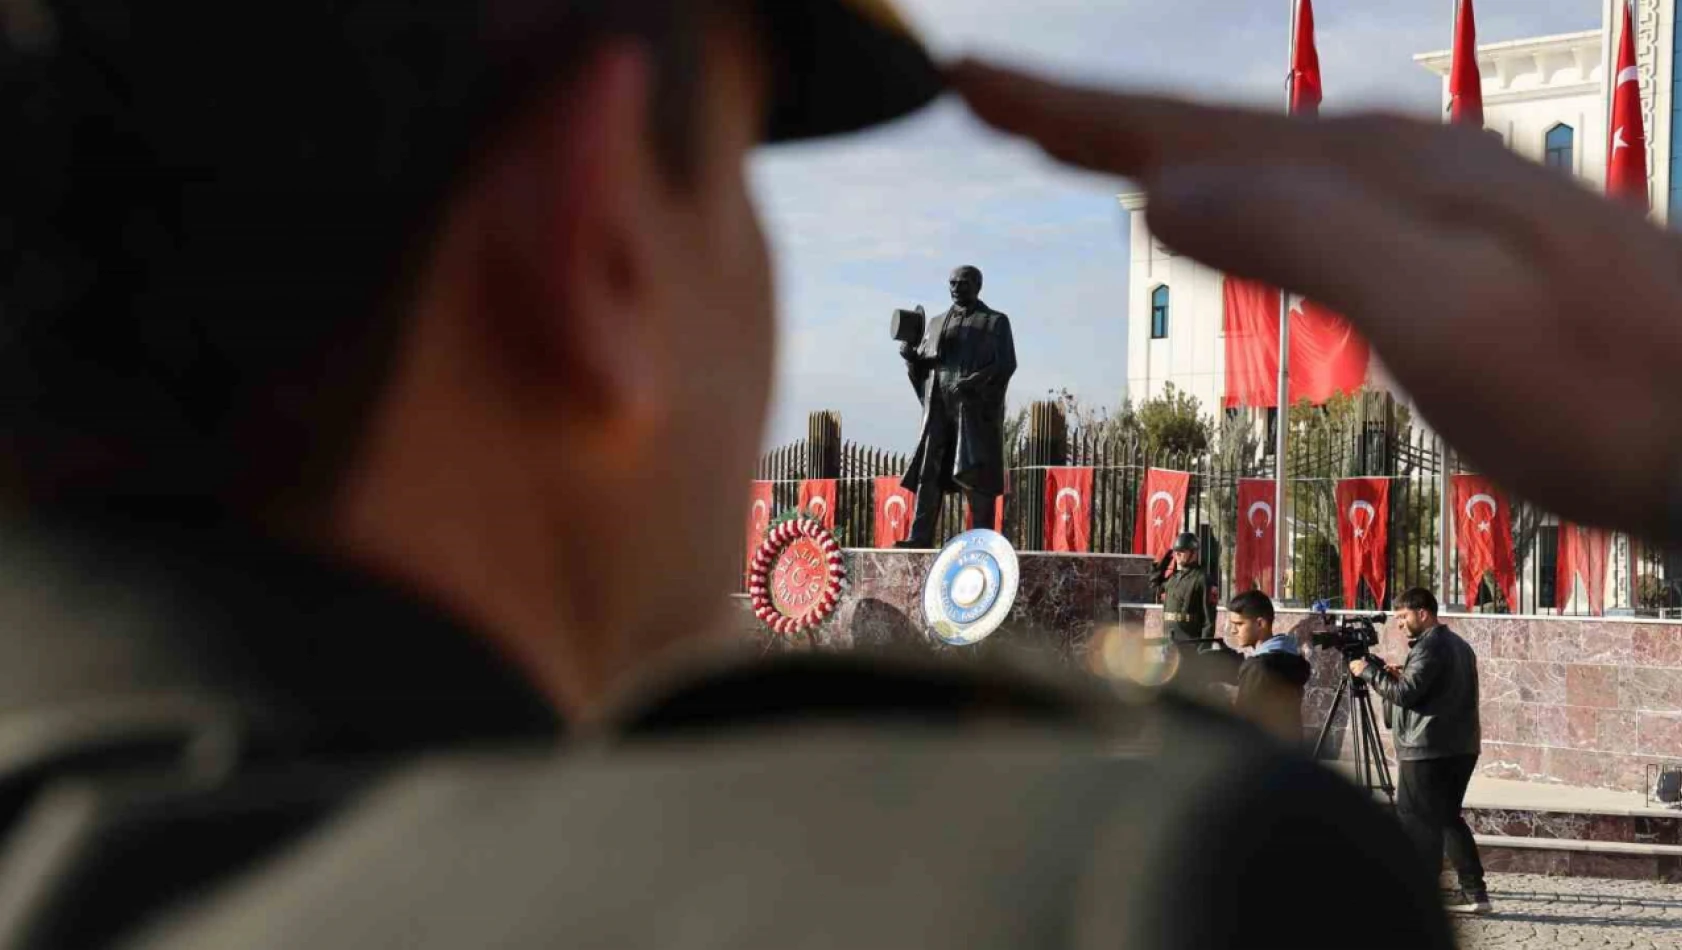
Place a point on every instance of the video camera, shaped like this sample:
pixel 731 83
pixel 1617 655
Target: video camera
pixel 1354 637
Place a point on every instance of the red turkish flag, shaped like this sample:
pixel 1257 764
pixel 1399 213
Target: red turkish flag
pixel 1626 156
pixel 1306 92
pixel 1465 82
pixel 759 517
pixel 894 506
pixel 1162 503
pixel 1068 510
pixel 1327 356
pixel 1258 525
pixel 1363 535
pixel 1483 533
pixel 1583 552
pixel 1251 322
pixel 817 501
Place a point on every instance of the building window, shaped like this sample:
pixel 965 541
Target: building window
pixel 1159 313
pixel 1559 148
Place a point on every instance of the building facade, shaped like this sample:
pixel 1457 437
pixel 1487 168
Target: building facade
pixel 1547 98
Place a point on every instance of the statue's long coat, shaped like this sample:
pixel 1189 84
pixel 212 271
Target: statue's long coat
pixel 963 370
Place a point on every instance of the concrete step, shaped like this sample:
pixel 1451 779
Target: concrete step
pixel 1579 844
pixel 1575 857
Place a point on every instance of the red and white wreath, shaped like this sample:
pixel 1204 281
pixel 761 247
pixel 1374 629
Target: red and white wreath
pixel 797 577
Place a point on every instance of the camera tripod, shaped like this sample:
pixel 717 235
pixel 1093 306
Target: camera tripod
pixel 1370 766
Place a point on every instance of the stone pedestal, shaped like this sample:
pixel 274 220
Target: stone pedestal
pixel 1062 599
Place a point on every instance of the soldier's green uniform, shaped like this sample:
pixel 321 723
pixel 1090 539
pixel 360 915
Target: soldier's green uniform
pixel 1187 613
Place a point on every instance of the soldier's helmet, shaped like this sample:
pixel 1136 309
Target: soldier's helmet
pixel 1185 542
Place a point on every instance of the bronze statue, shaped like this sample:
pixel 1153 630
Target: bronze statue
pixel 960 369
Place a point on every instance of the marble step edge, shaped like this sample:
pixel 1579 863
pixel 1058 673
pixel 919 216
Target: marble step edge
pixel 1610 811
pixel 1623 848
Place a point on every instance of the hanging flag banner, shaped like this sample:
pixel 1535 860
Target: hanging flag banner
pixel 759 517
pixel 817 501
pixel 1583 553
pixel 1162 503
pixel 1465 81
pixel 1252 564
pixel 1363 536
pixel 1251 325
pixel 1626 148
pixel 1327 356
pixel 1483 535
pixel 1068 510
pixel 894 506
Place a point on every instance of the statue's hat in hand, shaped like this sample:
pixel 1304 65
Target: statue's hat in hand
pixel 907 325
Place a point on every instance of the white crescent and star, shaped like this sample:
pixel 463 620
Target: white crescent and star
pixel 1372 515
pixel 1265 509
pixel 1066 513
pixel 1471 512
pixel 1629 74
pixel 888 507
pixel 817 507
pixel 1150 506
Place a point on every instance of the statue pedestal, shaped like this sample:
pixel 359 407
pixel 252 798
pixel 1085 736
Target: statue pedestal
pixel 1061 600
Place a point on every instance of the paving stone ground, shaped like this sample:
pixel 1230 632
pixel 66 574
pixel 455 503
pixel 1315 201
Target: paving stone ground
pixel 1542 913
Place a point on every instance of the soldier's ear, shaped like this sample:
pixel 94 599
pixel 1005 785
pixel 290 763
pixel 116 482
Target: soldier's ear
pixel 567 248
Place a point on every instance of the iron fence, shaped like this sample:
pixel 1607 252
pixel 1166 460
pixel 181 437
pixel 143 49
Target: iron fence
pixel 1640 580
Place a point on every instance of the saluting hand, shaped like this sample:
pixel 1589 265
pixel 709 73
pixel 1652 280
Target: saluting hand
pixel 1444 248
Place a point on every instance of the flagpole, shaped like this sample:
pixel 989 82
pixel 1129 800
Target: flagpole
pixel 1445 504
pixel 1609 70
pixel 1281 534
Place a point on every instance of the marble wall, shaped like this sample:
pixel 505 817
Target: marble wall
pixel 1566 826
pixel 1573 701
pixel 1061 601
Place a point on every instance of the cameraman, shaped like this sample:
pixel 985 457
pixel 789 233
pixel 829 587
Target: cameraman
pixel 1437 735
pixel 1272 677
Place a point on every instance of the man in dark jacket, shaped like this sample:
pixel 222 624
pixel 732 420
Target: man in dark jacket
pixel 1438 737
pixel 1272 677
pixel 961 371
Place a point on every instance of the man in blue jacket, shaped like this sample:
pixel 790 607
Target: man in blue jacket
pixel 1271 679
pixel 1435 726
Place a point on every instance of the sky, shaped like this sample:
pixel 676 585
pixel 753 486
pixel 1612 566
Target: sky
pixel 863 225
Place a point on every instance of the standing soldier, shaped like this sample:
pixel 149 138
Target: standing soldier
pixel 1188 618
pixel 1187 612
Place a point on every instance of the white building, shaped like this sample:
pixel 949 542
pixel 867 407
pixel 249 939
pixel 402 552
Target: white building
pixel 1545 97
pixel 1548 100
pixel 1174 314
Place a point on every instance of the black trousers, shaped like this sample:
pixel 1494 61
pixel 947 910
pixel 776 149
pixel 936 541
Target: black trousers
pixel 939 453
pixel 927 514
pixel 1429 795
